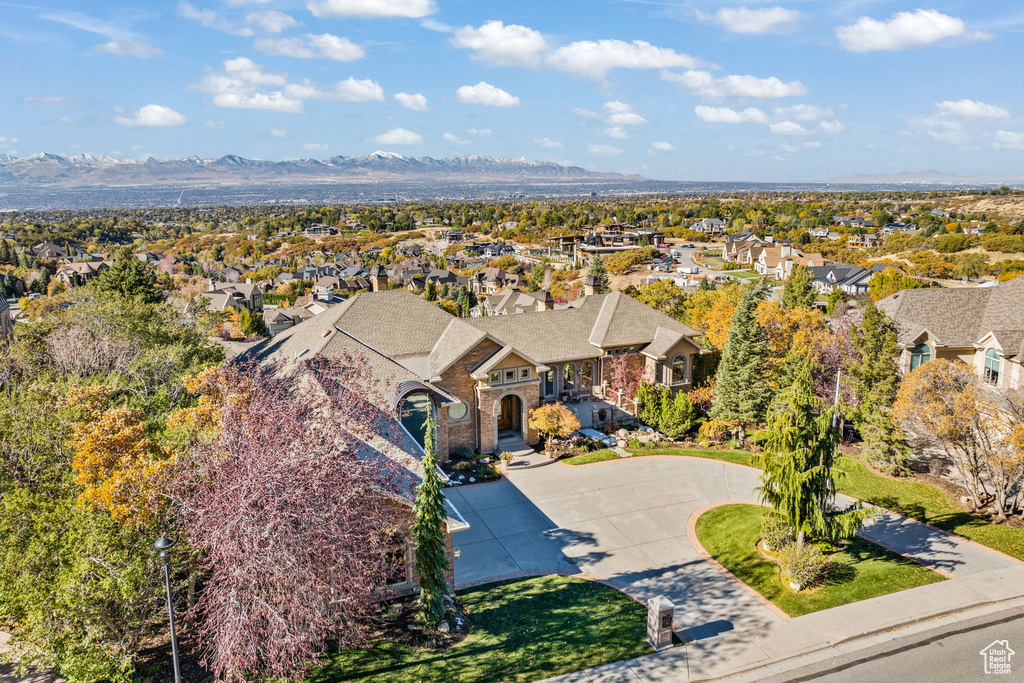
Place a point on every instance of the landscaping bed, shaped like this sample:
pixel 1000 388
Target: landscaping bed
pixel 860 570
pixel 469 468
pixel 522 630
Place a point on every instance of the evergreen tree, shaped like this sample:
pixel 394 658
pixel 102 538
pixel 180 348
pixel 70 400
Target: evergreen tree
pixel 799 289
pixel 649 398
pixel 428 535
pixel 743 382
pixel 252 324
pixel 130 278
pixel 44 281
pixel 443 292
pixel 834 298
pixel 430 292
pixel 706 285
pixel 873 378
pixel 598 272
pixel 798 462
pixel 678 415
pixel 5 253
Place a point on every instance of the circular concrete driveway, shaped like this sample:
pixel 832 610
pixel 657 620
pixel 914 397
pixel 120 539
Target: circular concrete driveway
pixel 625 520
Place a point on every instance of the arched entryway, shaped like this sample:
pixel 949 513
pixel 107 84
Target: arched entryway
pixel 510 417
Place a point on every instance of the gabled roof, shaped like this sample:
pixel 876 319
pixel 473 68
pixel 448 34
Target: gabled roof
pixel 456 340
pixel 664 340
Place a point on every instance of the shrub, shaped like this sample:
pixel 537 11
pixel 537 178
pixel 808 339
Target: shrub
pixel 505 457
pixel 804 565
pixel 464 465
pixel 952 243
pixel 713 432
pixel 678 416
pixel 775 533
pixel 464 453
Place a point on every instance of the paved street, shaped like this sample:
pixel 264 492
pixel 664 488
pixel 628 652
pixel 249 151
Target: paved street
pixel 625 520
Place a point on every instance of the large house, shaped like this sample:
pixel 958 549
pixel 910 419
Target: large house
pixel 981 326
pixel 482 376
pixel 709 226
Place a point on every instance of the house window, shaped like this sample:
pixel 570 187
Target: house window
pixel 679 369
pixel 457 411
pixel 524 373
pixel 549 383
pixel 919 354
pixel 569 377
pixel 415 409
pixel 495 377
pixel 992 367
pixel 510 376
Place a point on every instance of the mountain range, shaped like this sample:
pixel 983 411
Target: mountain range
pixel 86 170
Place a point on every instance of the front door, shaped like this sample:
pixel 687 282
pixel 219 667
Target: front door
pixel 506 418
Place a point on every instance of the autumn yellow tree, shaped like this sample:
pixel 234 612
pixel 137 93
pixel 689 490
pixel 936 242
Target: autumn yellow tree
pixel 118 464
pixel 555 421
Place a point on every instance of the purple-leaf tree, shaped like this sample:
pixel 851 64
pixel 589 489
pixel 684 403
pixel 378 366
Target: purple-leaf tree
pixel 293 516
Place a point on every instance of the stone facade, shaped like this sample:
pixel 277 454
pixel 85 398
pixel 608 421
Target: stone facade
pixel 457 381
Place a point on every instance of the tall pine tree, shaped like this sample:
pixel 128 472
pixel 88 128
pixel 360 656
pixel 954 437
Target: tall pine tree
pixel 428 535
pixel 873 378
pixel 799 289
pixel 600 275
pixel 798 462
pixel 130 278
pixel 743 382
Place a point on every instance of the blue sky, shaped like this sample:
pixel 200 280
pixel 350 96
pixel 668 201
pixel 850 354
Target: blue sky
pixel 800 90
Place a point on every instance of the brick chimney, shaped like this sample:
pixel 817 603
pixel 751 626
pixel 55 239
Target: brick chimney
pixel 545 302
pixel 379 278
pixel 590 286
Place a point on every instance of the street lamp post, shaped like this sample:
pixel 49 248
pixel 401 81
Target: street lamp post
pixel 164 546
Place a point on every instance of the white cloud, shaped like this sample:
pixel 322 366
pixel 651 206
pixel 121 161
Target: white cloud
pixel 778 20
pixel 494 42
pixel 132 48
pixel 617 132
pixel 248 70
pixel 270 101
pixel 903 31
pixel 804 112
pixel 487 95
pixel 210 19
pixel 1006 139
pixel 548 143
pixel 239 86
pixel 604 150
pixel 439 27
pixel 152 116
pixel 831 127
pixel 54 101
pixel 397 136
pixel 658 146
pixel 727 115
pixel 971 109
pixel 8 141
pixel 788 128
pixel 704 84
pixel 481 132
pixel 349 90
pixel 455 139
pixel 311 46
pixel 622 114
pixel 242 3
pixel 315 146
pixel 413 9
pixel 416 102
pixel 215 126
pixel 586 113
pixel 594 59
pixel 271 21
pixel 279 133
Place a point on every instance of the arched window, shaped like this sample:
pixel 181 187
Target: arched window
pixel 415 409
pixel 920 354
pixel 587 374
pixel 679 369
pixel 569 377
pixel 992 367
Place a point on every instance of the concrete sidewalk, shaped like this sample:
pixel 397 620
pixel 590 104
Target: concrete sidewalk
pixel 786 645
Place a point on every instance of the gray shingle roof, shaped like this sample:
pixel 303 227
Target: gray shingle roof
pixel 458 338
pixel 956 317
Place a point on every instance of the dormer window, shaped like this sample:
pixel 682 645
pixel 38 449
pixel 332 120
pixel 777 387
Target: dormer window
pixel 992 363
pixel 919 355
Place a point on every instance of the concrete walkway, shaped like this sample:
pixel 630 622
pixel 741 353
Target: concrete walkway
pixel 625 520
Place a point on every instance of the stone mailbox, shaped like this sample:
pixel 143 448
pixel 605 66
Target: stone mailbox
pixel 660 611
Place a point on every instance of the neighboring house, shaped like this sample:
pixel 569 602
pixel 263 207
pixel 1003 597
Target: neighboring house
pixel 849 279
pixel 492 280
pixel 319 230
pixel 709 226
pixel 778 261
pixel 819 232
pixel 449 236
pixel 228 274
pixel 481 377
pixel 80 273
pixel 982 326
pixel 865 240
pixel 854 222
pixel 49 250
pixel 939 213
pixel 278 320
pixel 248 295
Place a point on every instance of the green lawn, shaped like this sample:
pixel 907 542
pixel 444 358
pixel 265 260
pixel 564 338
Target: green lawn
pixel 916 500
pixel 862 570
pixel 524 630
pixel 592 456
